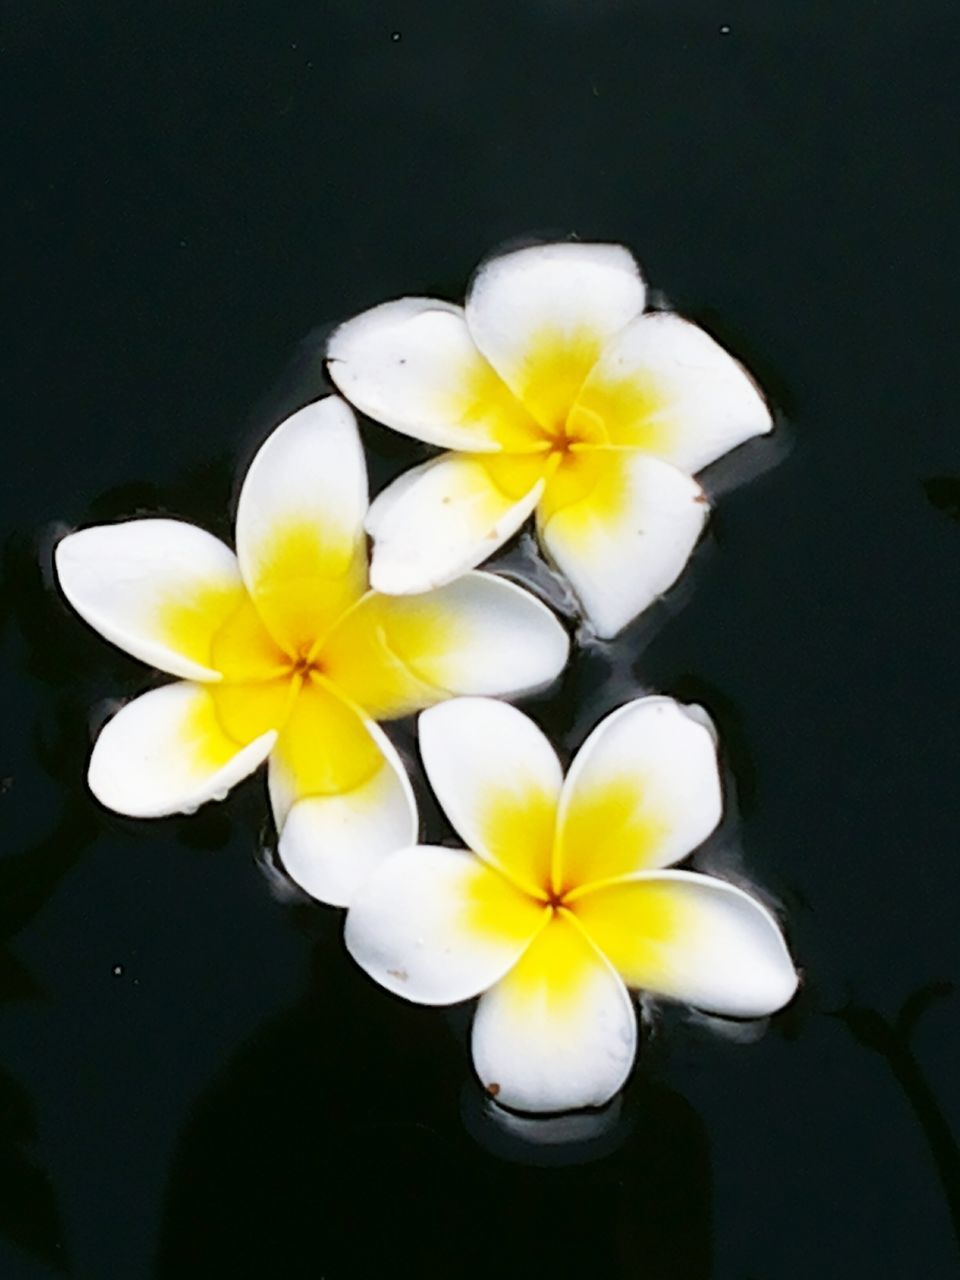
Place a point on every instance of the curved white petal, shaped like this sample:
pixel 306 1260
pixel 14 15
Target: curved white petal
pixel 330 844
pixel 300 523
pixel 498 781
pixel 159 589
pixel 434 526
pixel 665 386
pixel 412 365
pixel 559 1031
pixel 543 314
pixel 628 539
pixel 692 938
pixel 165 752
pixel 481 634
pixel 642 792
pixel 437 925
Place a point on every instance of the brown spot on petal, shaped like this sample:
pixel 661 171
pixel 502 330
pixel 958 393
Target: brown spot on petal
pixel 493 1090
pixel 401 975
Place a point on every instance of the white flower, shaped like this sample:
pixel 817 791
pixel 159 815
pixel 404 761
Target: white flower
pixel 555 393
pixel 284 653
pixel 562 901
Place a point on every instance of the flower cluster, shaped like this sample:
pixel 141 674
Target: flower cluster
pixel 553 392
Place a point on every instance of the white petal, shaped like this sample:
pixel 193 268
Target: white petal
pixel 165 752
pixel 431 528
pixel 642 792
pixel 559 1031
pixel 628 539
pixel 481 634
pixel 437 925
pixel 498 781
pixel 692 938
pixel 668 388
pixel 159 589
pixel 330 844
pixel 543 314
pixel 412 365
pixel 300 523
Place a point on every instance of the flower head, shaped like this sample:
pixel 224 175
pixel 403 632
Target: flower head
pixel 554 393
pixel 562 898
pixel 283 652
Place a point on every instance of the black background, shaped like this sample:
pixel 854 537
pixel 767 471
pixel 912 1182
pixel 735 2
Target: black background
pixel 193 1079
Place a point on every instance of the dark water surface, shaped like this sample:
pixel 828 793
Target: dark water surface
pixel 194 1080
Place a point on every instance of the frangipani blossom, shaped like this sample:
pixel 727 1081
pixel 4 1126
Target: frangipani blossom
pixel 563 897
pixel 283 652
pixel 554 393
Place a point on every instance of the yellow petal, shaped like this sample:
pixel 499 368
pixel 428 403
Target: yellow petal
pixel 437 926
pixel 693 938
pixel 245 711
pixel 300 516
pixel 243 649
pixel 393 655
pixel 559 1031
pixel 498 781
pixel 323 749
pixel 642 792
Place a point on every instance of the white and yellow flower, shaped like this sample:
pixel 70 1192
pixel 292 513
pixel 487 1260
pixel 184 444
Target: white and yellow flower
pixel 553 392
pixel 562 898
pixel 283 652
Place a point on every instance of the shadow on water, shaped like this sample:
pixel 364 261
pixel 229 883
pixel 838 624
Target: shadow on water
pixel 334 1146
pixel 891 1039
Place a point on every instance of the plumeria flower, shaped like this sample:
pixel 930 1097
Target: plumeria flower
pixel 283 653
pixel 554 392
pixel 562 898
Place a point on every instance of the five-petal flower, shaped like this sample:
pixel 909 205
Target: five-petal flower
pixel 284 652
pixel 554 392
pixel 563 898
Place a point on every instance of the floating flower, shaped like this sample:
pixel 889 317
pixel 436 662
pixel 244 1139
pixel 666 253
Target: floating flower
pixel 556 394
pixel 563 900
pixel 284 653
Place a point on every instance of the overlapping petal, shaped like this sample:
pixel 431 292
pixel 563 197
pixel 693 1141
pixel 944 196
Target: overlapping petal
pixel 498 781
pixel 300 524
pixel 413 365
pixel 478 635
pixel 438 926
pixel 559 1030
pixel 167 752
pixel 542 315
pixel 159 589
pixel 448 516
pixel 692 938
pixel 665 386
pixel 325 748
pixel 621 530
pixel 330 844
pixel 642 792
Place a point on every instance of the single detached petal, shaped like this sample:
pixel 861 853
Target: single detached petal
pixel 393 655
pixel 412 365
pixel 325 748
pixel 330 844
pixel 159 589
pixel 621 529
pixel 437 925
pixel 559 1031
pixel 498 781
pixel 542 316
pixel 166 752
pixel 643 792
pixel 665 386
pixel 300 524
pixel 446 517
pixel 692 938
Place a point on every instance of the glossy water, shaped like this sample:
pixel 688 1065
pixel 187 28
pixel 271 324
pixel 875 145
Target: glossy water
pixel 193 1079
